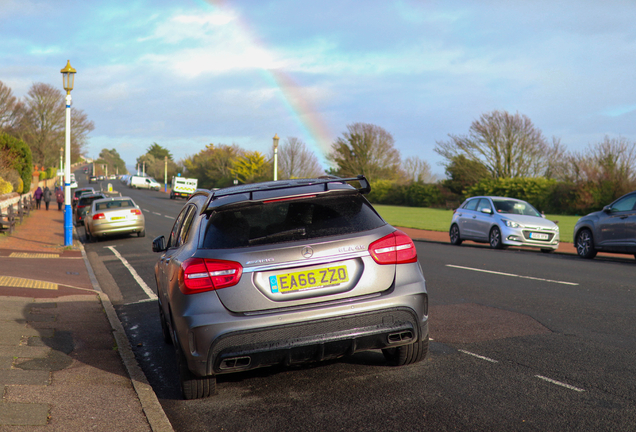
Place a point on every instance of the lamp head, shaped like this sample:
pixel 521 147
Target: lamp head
pixel 68 77
pixel 276 141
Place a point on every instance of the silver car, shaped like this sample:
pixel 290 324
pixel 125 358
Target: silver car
pixel 286 272
pixel 612 229
pixel 503 222
pixel 114 216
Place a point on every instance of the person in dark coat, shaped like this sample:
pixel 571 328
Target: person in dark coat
pixel 47 196
pixel 59 195
pixel 38 197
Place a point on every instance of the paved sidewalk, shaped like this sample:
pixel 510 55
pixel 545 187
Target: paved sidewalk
pixel 65 364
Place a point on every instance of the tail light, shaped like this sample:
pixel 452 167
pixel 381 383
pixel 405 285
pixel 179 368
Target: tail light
pixel 80 206
pixel 99 216
pixel 395 248
pixel 199 275
pixel 136 212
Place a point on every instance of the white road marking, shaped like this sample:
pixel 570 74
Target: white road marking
pixel 559 383
pixel 479 356
pixel 146 210
pixel 511 275
pixel 157 213
pixel 134 274
pixel 169 217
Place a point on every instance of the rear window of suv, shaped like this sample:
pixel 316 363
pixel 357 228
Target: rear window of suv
pixel 291 220
pixel 84 201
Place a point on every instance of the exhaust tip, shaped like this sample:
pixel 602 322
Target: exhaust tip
pixel 236 362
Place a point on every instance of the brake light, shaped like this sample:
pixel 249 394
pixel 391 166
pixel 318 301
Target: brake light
pixel 200 275
pixel 80 206
pixel 136 211
pixel 99 216
pixel 395 248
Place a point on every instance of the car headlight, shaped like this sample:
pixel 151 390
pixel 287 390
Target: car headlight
pixel 510 224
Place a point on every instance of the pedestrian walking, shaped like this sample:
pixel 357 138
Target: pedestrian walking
pixel 47 197
pixel 59 195
pixel 38 197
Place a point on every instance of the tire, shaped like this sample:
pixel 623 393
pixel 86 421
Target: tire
pixel 495 238
pixel 585 244
pixel 406 354
pixel 142 233
pixel 455 239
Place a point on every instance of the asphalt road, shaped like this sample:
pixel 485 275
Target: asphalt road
pixel 521 341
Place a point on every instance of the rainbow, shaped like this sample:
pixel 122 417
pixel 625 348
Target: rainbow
pixel 307 118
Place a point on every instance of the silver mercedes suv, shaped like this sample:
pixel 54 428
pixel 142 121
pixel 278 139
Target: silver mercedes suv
pixel 286 272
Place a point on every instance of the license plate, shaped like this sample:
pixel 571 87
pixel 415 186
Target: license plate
pixel 117 218
pixel 308 279
pixel 538 236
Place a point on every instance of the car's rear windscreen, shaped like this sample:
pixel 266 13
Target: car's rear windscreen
pixel 291 220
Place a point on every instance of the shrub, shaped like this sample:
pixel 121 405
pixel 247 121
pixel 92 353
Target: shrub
pixel 5 187
pixel 535 190
pixel 19 156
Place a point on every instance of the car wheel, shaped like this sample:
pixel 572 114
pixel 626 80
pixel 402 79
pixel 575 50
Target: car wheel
pixel 585 244
pixel 192 386
pixel 455 239
pixel 407 354
pixel 495 238
pixel 141 233
pixel 88 235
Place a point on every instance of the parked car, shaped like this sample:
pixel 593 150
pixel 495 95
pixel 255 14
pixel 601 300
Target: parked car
pixel 112 216
pixel 612 229
pixel 83 204
pixel 503 222
pixel 286 272
pixel 78 192
pixel 73 181
pixel 92 179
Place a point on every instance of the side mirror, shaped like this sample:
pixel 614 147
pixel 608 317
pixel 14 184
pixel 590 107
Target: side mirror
pixel 159 244
pixel 486 210
pixel 607 209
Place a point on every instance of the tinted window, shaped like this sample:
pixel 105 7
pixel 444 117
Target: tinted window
pixel 626 204
pixel 471 205
pixel 115 204
pixel 515 207
pixel 174 234
pixel 87 200
pixel 484 204
pixel 280 221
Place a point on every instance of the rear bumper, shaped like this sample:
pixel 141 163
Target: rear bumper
pixel 103 230
pixel 314 340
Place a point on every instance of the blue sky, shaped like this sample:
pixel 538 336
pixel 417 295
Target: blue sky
pixel 188 73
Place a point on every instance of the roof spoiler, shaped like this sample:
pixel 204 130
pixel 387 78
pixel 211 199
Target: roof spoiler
pixel 363 187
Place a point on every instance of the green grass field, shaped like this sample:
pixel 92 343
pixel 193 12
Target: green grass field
pixel 439 220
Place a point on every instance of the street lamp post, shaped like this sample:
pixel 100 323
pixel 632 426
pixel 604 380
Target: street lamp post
pixel 60 172
pixel 276 156
pixel 68 78
pixel 165 173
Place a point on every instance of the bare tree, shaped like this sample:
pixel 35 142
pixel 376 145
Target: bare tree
pixel 43 121
pixel 418 170
pixel 366 149
pixel 9 108
pixel 507 145
pixel 296 160
pixel 611 162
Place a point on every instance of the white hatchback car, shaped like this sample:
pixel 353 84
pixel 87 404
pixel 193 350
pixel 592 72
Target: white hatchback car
pixel 503 222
